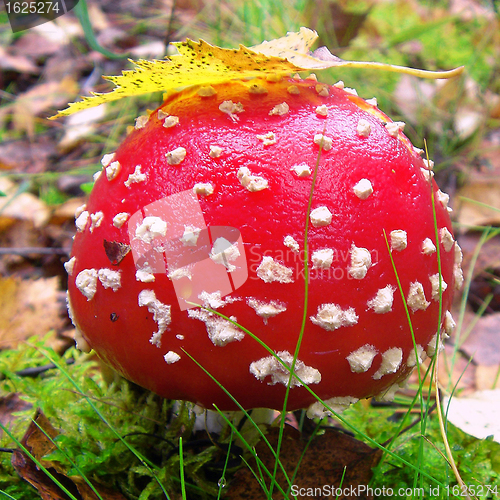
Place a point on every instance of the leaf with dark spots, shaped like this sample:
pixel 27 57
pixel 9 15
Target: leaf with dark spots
pixel 115 251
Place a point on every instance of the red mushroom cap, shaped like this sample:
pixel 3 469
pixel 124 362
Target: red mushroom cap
pixel 206 202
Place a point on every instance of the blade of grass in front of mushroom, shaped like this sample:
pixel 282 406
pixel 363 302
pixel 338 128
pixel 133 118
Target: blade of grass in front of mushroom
pixel 305 304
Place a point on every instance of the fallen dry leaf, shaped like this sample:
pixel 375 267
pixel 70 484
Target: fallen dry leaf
pixel 19 63
pixel 323 463
pixel 80 125
pixel 477 414
pixel 37 443
pixel 39 99
pixel 487 377
pixel 27 308
pixel 8 406
pixel 478 200
pixel 483 343
pixel 16 206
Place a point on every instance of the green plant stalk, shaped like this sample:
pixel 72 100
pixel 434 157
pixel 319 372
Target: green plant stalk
pixel 306 301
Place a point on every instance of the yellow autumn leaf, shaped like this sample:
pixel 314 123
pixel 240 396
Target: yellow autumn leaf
pixel 200 63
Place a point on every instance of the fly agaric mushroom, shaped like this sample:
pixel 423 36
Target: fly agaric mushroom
pixel 202 210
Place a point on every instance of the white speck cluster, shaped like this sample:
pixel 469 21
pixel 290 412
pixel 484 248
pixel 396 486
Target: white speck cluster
pixel 231 109
pixel 332 316
pixel 363 128
pixel 86 282
pixel 399 240
pixel 360 262
pixel 382 302
pixel 322 110
pixel 320 216
pixel 416 297
pixel 171 121
pixel 271 367
pixel 291 243
pixel 160 312
pixel 393 128
pixel 96 220
pixel 446 239
pixel 428 247
pixel 437 282
pixel 280 109
pixel 203 188
pixel 337 404
pixel 361 360
pixel 322 259
pixel 112 170
pixel 363 189
pixel 223 252
pixel 109 278
pixel 171 357
pixel 81 221
pixel 150 228
pixel 267 139
pixel 176 156
pixel 266 310
pixel 190 236
pixel 252 182
pixel 220 331
pixel 301 170
pixel 323 142
pixel 120 218
pixel 135 177
pixel 69 266
pixel 269 271
pixel 215 151
pixel 391 361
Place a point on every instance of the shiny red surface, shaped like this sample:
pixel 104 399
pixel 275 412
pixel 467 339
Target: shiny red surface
pixel 401 200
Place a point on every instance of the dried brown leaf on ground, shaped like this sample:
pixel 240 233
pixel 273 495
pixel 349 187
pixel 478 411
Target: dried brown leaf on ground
pixel 479 198
pixel 28 308
pixel 23 155
pixel 18 205
pixel 333 459
pixel 483 343
pixel 10 404
pixel 38 441
pixel 38 100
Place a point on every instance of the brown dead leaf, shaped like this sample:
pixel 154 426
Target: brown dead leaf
pixel 80 125
pixel 16 206
pixel 37 443
pixel 27 308
pixel 19 63
pixel 26 156
pixel 482 186
pixel 10 404
pixel 487 377
pixel 323 463
pixel 483 343
pixel 40 99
